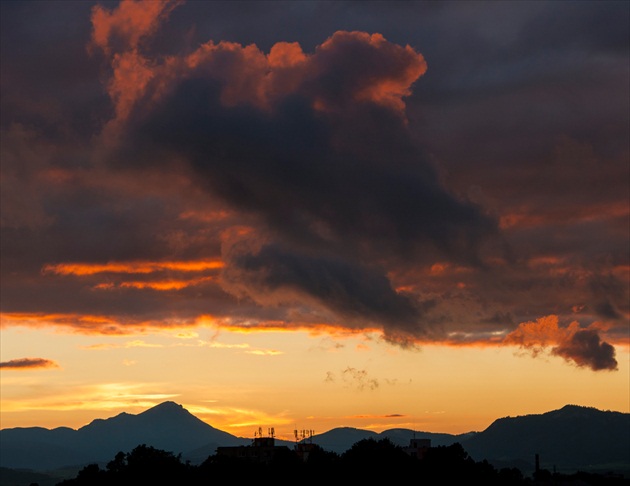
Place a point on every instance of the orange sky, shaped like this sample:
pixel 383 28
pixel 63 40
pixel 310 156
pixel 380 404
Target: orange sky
pixel 414 216
pixel 237 382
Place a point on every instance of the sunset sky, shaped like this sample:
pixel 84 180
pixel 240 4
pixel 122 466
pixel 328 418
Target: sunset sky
pixel 308 215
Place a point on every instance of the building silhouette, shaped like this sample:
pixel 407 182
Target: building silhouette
pixel 418 447
pixel 262 449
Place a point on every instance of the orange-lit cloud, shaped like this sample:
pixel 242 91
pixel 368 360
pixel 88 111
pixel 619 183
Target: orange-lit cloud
pixel 28 364
pixel 530 217
pixel 331 329
pixel 129 23
pixel 160 285
pixel 113 325
pixel 250 76
pixel 383 74
pixel 81 269
pixel 582 346
pixel 286 55
pixel 132 74
pixel 401 67
pixel 119 33
pixel 205 216
pixel 91 324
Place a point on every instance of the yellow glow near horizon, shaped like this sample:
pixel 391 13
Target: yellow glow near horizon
pixel 292 381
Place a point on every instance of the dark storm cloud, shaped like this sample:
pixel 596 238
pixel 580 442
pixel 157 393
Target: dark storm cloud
pixel 322 157
pixel 285 168
pixel 357 295
pixel 525 110
pixel 47 82
pixel 481 194
pixel 586 348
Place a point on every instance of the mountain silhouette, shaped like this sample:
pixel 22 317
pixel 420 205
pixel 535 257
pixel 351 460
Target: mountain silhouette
pixel 168 426
pixel 341 439
pixel 569 438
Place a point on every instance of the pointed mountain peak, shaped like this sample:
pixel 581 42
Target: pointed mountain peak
pixel 166 408
pixel 576 411
pixel 165 411
pixel 577 408
pixel 168 405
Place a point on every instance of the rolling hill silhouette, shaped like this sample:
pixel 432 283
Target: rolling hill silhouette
pixel 570 438
pixel 341 439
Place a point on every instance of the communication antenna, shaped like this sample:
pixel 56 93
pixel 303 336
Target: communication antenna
pixel 295 433
pixel 307 434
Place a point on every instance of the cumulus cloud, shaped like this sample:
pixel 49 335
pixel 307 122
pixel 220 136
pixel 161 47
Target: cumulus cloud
pixel 314 149
pixel 586 348
pixel 28 364
pixel 583 347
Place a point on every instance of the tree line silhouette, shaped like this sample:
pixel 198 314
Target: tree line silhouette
pixel 368 460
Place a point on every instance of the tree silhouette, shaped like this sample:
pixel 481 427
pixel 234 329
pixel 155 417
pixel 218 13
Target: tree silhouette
pixel 368 461
pixel 144 465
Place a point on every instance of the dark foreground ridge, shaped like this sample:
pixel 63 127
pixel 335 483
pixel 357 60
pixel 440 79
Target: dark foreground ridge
pixel 369 461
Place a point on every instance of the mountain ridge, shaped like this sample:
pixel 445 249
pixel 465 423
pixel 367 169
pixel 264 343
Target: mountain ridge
pixel 570 437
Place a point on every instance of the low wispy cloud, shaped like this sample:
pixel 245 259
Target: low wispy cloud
pixel 130 344
pixel 353 378
pixel 105 396
pixel 28 364
pixel 264 352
